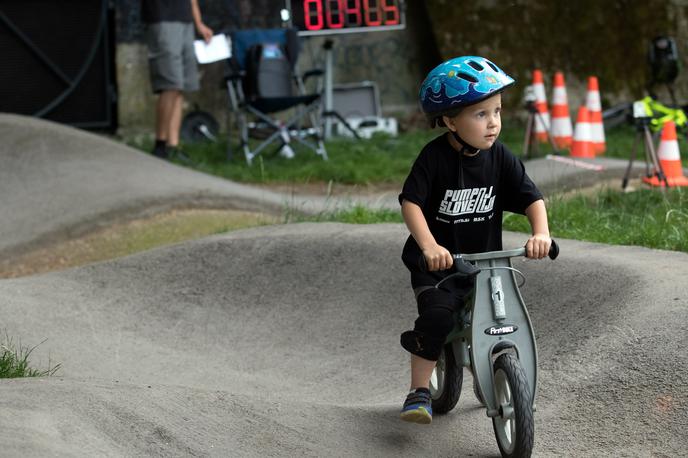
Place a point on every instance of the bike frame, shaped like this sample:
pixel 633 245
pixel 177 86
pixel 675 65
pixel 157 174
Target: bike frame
pixel 499 321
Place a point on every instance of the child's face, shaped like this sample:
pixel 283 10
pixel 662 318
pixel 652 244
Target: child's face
pixel 478 125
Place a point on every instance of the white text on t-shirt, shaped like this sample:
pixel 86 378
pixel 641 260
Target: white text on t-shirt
pixel 463 201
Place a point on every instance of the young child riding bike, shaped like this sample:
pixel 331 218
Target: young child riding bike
pixel 452 202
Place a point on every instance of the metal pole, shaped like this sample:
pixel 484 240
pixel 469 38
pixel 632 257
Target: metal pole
pixel 328 88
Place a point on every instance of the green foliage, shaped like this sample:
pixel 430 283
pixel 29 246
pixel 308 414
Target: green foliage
pixel 382 159
pixel 608 38
pixel 647 217
pixel 355 215
pixel 14 362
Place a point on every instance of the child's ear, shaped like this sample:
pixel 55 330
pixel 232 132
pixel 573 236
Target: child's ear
pixel 449 123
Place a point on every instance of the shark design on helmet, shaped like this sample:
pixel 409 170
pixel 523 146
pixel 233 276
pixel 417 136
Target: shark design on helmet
pixel 460 82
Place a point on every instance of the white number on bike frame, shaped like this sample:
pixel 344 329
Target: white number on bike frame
pixel 497 298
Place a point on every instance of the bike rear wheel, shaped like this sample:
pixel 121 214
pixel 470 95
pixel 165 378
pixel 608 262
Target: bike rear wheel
pixel 446 382
pixel 514 427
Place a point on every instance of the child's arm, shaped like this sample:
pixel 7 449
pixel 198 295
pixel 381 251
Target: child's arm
pixel 436 256
pixel 538 244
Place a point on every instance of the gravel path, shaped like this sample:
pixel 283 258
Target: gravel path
pixel 283 340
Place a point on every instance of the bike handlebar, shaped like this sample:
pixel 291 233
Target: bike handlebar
pixel 462 266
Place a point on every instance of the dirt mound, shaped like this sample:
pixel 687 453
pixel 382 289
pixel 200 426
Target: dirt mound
pixel 283 340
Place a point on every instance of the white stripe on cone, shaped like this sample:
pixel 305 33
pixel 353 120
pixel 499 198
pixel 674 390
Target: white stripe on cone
pixel 559 96
pixel 582 132
pixel 597 133
pixel 668 151
pixel 582 147
pixel 542 123
pixel 542 120
pixel 592 101
pixel 561 127
pixel 594 106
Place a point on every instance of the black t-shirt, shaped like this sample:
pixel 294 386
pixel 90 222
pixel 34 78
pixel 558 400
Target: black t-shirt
pixel 463 198
pixel 153 11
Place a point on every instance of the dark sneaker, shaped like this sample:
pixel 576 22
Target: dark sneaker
pixel 417 407
pixel 160 152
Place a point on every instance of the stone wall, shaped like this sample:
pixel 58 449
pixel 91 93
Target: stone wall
pixel 608 39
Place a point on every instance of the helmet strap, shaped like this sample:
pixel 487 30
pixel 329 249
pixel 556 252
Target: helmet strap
pixel 467 149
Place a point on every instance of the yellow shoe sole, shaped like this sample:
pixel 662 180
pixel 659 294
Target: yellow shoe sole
pixel 419 415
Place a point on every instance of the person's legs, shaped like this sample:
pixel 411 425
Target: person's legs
pixel 421 371
pixel 175 120
pixel 165 114
pixel 435 321
pixel 166 47
pixel 189 82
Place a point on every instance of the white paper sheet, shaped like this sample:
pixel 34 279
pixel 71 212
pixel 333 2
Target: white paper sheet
pixel 218 49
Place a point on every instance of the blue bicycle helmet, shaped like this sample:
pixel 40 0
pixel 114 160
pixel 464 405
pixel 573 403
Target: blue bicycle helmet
pixel 460 82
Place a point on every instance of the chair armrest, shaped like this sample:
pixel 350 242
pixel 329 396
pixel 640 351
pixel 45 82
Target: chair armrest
pixel 313 72
pixel 235 75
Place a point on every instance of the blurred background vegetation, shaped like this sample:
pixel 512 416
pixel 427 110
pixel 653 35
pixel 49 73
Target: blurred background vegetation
pixel 609 39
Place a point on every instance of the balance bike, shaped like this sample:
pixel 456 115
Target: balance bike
pixel 494 338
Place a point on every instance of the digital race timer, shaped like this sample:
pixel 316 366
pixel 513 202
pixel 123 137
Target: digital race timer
pixel 324 17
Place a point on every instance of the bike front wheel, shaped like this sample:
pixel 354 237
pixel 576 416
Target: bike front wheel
pixel 446 382
pixel 514 427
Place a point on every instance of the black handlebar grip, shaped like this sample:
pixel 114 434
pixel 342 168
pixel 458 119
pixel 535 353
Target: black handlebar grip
pixel 460 266
pixel 553 250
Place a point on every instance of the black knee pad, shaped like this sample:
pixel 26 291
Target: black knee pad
pixel 435 313
pixel 434 323
pixel 422 345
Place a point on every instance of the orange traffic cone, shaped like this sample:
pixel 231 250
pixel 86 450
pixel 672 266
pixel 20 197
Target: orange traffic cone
pixel 561 121
pixel 582 139
pixel 542 119
pixel 594 106
pixel 669 158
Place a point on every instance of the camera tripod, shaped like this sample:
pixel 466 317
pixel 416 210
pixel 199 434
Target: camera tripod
pixel 329 112
pixel 533 115
pixel 643 130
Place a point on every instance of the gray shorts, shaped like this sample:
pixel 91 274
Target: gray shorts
pixel 171 57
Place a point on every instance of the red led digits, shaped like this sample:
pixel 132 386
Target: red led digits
pixel 335 14
pixel 339 14
pixel 371 12
pixel 312 12
pixel 390 12
pixel 353 13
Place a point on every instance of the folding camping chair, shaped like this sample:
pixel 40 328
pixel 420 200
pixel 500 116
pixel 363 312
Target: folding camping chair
pixel 261 85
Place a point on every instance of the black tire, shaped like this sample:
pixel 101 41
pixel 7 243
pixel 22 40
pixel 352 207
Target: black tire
pixel 515 433
pixel 199 126
pixel 477 393
pixel 445 385
pixel 476 389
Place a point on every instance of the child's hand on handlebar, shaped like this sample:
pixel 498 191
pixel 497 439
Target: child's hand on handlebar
pixel 538 246
pixel 438 257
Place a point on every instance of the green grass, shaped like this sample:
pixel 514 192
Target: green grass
pixel 382 159
pixel 645 217
pixel 355 215
pixel 648 217
pixel 14 361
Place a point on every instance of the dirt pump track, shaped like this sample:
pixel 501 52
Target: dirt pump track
pixel 283 341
